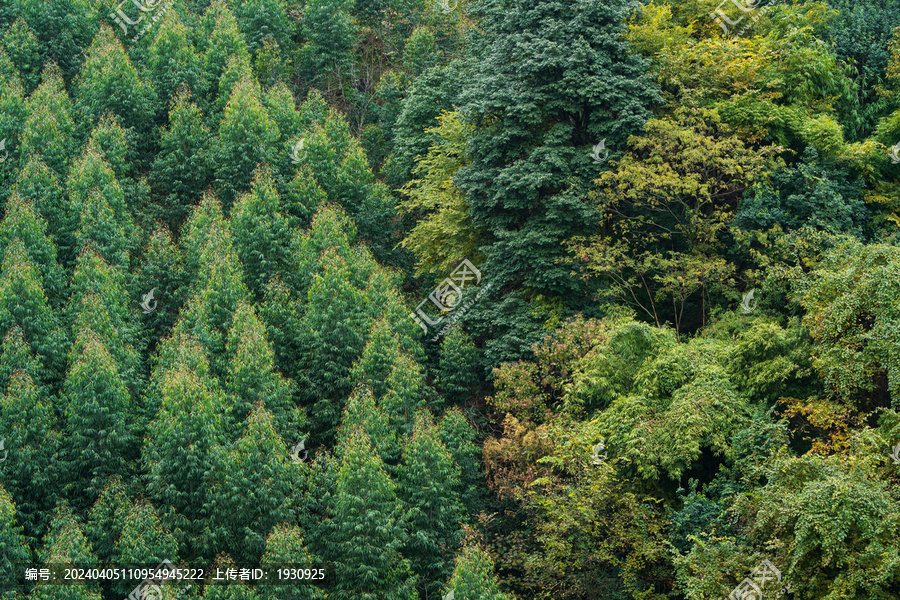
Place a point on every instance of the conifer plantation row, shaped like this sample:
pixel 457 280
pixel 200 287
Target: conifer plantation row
pixel 235 234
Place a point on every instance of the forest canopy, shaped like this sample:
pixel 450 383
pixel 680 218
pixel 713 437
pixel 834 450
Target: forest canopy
pixel 457 299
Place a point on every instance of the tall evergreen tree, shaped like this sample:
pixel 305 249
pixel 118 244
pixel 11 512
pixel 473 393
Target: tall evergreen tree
pixel 109 82
pixel 429 486
pixel 285 546
pixel 172 61
pixel 65 544
pixel 107 518
pixel 366 530
pixel 181 450
pixel 99 427
pixel 473 578
pixel 40 185
pixel 255 488
pixel 252 377
pixel 26 423
pixel 144 541
pixel 181 171
pixel 247 137
pixel 549 79
pixel 262 236
pixel 15 550
pixel 24 304
pixel 22 223
pixel 49 130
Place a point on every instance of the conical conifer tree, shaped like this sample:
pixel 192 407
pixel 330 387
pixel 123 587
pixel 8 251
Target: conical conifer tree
pixel 246 138
pixel 474 578
pixel 181 171
pixel 362 412
pixel 24 304
pixel 23 223
pixel 98 423
pixel 39 184
pixel 285 546
pixel 224 41
pixel 107 518
pixel 172 60
pixel 252 377
pixel 26 423
pixel 65 544
pixel 49 131
pixel 262 236
pixel 144 541
pixel 109 82
pixel 15 549
pixel 429 486
pixel 181 450
pixel 256 488
pixel 365 529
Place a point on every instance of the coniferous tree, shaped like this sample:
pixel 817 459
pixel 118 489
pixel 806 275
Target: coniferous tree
pixel 49 130
pixel 16 552
pixel 26 423
pixel 181 449
pixel 363 412
pixel 24 304
pixel 429 486
pixel 246 138
pixel 172 61
pixel 224 40
pixel 65 544
pixel 329 31
pixel 252 377
pixel 458 437
pixel 181 171
pixel 262 236
pixel 98 406
pixel 365 529
pixel 143 541
pixel 536 116
pixel 473 578
pixel 64 29
pixel 23 224
pixel 285 546
pixel 109 82
pixel 24 49
pixel 255 489
pixel 40 185
pixel 107 518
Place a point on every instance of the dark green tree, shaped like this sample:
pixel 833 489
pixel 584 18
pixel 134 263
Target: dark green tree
pixel 247 137
pixel 15 550
pixel 285 546
pixel 429 484
pixel 181 171
pixel 536 116
pixel 262 236
pixel 365 529
pixel 474 578
pixel 254 488
pixel 98 407
pixel 49 130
